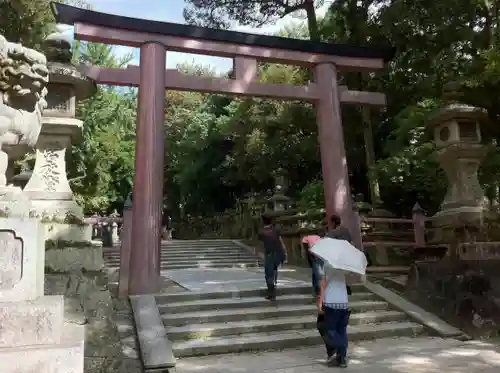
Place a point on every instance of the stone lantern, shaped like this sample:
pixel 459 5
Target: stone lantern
pixel 279 202
pixel 457 135
pixel 48 188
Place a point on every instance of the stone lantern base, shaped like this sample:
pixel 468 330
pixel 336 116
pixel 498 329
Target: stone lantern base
pixel 48 188
pixel 462 224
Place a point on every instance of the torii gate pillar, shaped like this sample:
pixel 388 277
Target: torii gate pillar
pixel 148 183
pixel 333 157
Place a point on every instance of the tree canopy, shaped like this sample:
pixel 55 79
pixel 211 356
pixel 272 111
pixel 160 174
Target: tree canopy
pixel 221 148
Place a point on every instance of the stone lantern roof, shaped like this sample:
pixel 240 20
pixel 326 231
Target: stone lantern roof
pixel 455 109
pixel 279 197
pixel 57 48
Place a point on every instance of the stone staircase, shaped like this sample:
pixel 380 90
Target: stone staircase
pixel 228 322
pixel 182 254
pixel 220 321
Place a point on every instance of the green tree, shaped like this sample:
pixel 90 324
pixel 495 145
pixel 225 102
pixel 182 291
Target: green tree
pixel 29 21
pixel 102 164
pixel 222 13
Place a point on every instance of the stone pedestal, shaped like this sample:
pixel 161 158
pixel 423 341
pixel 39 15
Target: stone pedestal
pixel 33 335
pixel 464 202
pixel 48 188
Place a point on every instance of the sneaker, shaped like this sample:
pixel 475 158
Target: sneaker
pixel 341 362
pixel 329 359
pixel 338 361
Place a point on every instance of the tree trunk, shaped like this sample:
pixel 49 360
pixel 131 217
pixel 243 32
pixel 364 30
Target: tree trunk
pixel 370 156
pixel 312 20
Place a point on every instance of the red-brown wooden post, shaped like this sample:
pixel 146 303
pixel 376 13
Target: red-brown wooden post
pixel 331 143
pixel 148 183
pixel 123 277
pixel 419 224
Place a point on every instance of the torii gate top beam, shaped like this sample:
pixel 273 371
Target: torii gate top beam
pixel 113 29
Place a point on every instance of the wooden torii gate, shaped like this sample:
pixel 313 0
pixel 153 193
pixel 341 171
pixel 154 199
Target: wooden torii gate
pixel 155 39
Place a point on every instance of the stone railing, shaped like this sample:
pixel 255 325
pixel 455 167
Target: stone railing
pixel 105 228
pixel 387 241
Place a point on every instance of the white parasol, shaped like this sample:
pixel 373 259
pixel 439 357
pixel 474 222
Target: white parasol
pixel 341 255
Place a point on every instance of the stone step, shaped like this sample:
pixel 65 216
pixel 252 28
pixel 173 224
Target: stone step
pixel 217 258
pixel 287 339
pixel 260 313
pixel 173 266
pixel 181 255
pixel 208 265
pixel 237 302
pixel 188 296
pixel 208 261
pixel 191 260
pixel 206 250
pixel 231 328
pixel 202 241
pixel 234 252
pixel 198 243
pixel 200 247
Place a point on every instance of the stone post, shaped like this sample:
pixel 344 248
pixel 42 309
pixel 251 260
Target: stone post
pixel 418 218
pixel 115 237
pixel 125 249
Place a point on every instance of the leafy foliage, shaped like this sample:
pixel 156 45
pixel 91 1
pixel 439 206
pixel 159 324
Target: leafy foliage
pixel 220 148
pixel 29 21
pixel 223 13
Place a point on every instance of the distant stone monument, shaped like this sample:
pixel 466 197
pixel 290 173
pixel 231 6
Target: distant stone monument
pixel 279 202
pixel 33 333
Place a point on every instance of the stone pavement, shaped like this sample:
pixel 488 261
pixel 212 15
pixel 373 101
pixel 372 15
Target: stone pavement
pixel 227 279
pixel 394 355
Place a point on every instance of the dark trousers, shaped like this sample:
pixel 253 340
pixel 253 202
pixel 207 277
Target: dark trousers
pixel 271 264
pixel 321 326
pixel 317 270
pixel 334 331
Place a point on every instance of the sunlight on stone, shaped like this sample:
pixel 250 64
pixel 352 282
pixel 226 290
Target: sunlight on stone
pixel 362 351
pixel 460 352
pixel 491 357
pixel 356 362
pixel 414 360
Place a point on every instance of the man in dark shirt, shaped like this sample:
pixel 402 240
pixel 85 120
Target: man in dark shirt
pixel 274 255
pixel 338 231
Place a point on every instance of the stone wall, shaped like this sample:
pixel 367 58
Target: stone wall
pixel 78 274
pixel 463 292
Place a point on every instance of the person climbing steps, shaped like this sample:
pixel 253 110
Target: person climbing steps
pixel 275 254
